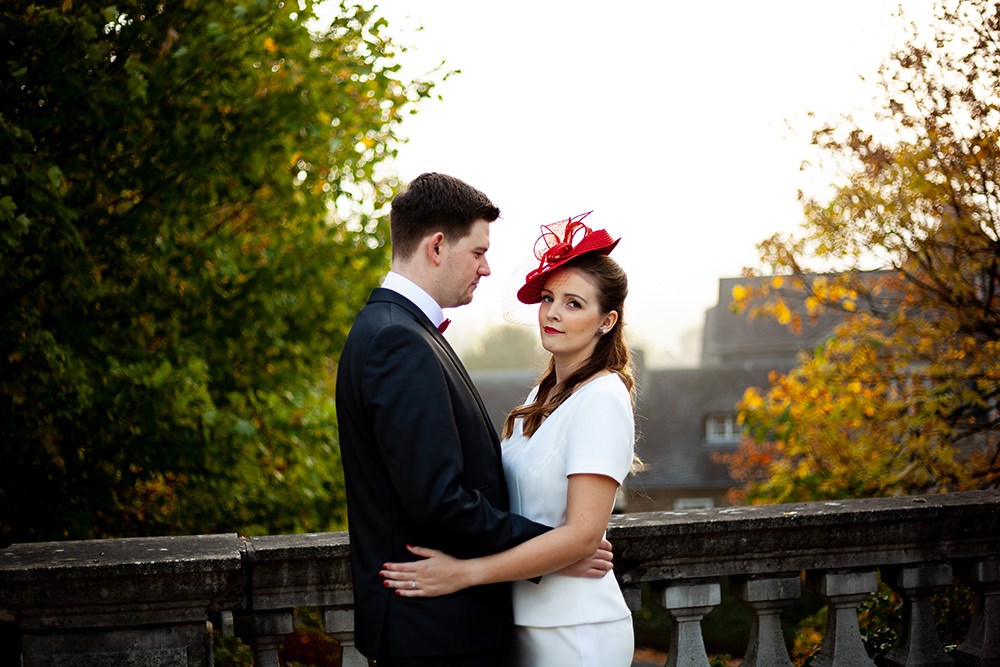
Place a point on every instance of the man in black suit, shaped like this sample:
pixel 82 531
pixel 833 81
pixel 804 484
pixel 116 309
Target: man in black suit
pixel 421 458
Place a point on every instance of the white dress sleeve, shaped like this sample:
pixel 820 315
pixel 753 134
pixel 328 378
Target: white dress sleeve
pixel 601 433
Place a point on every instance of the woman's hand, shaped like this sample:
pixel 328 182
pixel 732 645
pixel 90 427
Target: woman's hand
pixel 437 574
pixel 594 566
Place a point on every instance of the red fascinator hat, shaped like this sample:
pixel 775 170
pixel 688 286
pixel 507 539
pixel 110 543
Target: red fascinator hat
pixel 559 243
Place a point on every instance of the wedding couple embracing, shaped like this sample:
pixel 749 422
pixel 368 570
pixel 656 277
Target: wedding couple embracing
pixel 467 549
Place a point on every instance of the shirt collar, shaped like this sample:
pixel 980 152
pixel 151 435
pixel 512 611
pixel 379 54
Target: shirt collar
pixel 425 302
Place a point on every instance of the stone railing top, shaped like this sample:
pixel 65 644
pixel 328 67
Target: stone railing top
pixel 810 513
pixel 82 559
pixel 311 570
pixel 219 572
pixel 136 581
pixel 801 536
pixel 306 545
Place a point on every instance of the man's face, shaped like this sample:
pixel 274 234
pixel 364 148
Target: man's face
pixel 463 264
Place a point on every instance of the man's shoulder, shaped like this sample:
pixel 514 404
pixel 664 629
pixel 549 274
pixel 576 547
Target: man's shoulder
pixel 387 308
pixel 384 323
pixel 383 302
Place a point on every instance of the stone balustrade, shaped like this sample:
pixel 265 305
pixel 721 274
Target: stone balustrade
pixel 148 601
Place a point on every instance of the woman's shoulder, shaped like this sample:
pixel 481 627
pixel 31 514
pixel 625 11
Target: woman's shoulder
pixel 604 382
pixel 598 394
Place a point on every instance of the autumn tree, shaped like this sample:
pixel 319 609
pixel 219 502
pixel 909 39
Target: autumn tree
pixel 904 397
pixel 191 201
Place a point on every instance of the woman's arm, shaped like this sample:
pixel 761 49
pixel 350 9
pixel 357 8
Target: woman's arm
pixel 589 502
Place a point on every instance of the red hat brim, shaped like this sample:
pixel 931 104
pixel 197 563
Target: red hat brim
pixel 598 241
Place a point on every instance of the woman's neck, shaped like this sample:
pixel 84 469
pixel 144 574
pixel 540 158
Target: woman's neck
pixel 565 366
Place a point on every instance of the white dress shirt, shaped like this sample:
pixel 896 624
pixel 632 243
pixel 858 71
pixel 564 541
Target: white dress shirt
pixel 425 302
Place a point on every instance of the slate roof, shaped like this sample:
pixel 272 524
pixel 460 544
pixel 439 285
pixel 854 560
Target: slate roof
pixel 730 338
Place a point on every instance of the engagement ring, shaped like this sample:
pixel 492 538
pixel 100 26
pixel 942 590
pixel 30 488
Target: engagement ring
pixel 413 583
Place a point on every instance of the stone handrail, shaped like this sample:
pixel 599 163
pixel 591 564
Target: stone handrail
pixel 149 600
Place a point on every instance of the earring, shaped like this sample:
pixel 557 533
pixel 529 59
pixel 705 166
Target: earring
pixel 600 332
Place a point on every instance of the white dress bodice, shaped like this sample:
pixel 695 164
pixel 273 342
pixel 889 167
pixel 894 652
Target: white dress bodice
pixel 592 432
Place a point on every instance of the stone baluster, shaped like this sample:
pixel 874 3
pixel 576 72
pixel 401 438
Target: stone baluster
pixel 338 620
pixel 843 590
pixel 687 602
pixel 982 647
pixel 633 596
pixel 766 596
pixel 918 644
pixel 264 632
pixel 290 571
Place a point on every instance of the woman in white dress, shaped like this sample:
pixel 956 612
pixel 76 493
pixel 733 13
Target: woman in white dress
pixel 565 453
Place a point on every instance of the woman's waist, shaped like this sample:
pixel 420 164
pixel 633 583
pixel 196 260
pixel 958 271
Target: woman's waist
pixel 561 600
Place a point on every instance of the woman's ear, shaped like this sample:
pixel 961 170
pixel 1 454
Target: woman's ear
pixel 610 320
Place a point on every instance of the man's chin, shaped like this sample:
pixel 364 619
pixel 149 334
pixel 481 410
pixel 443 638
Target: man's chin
pixel 466 298
pixel 463 301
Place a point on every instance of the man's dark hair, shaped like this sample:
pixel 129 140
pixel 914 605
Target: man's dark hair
pixel 432 203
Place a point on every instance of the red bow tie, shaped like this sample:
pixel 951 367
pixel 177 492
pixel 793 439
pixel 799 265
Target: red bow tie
pixel 443 325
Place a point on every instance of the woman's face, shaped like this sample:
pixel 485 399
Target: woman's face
pixel 570 317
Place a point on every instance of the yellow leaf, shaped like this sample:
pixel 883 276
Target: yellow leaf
pixel 751 399
pixel 270 45
pixel 782 313
pixel 739 292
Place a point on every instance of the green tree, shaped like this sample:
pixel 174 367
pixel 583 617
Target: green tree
pixel 904 397
pixel 190 214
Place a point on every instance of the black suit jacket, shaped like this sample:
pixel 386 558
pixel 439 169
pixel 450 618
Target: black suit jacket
pixel 422 466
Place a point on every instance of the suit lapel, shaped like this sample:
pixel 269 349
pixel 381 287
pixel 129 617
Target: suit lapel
pixel 472 388
pixel 381 294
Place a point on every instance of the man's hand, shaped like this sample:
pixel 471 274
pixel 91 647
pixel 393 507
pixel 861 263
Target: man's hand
pixel 593 566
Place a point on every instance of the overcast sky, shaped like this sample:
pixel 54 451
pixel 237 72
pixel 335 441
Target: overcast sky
pixel 669 119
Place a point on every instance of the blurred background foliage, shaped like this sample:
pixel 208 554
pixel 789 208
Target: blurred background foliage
pixel 191 212
pixel 904 398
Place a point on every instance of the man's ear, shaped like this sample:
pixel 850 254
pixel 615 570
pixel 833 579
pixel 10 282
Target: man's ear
pixel 431 246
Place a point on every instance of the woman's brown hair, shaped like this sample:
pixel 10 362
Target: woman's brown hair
pixel 611 353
